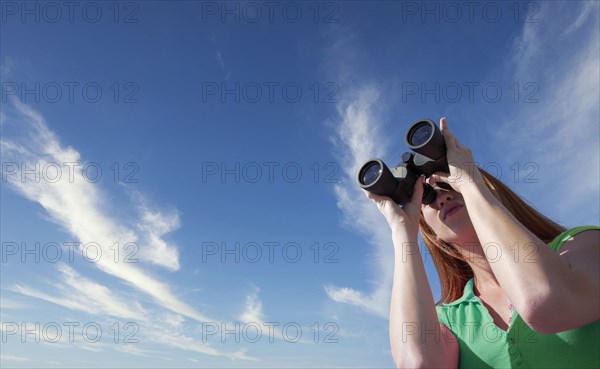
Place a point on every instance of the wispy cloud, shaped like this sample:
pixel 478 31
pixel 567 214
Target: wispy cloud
pixel 358 139
pixel 253 312
pixel 135 350
pixel 80 293
pixel 153 225
pixel 221 61
pixel 560 133
pixel 14 358
pixel 8 66
pixel 176 339
pixel 76 337
pixel 82 209
pixel 219 58
pixel 7 304
pixel 586 13
pixel 22 359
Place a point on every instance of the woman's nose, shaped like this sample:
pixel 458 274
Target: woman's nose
pixel 442 198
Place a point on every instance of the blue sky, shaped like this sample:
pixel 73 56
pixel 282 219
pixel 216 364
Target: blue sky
pixel 178 177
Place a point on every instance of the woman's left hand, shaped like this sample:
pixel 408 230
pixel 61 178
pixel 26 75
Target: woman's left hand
pixel 463 170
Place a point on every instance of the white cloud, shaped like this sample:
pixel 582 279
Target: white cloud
pixel 83 210
pixel 134 350
pixel 253 312
pixel 176 339
pixel 587 11
pixel 152 227
pixel 22 359
pixel 526 47
pixel 358 139
pixel 8 66
pixel 79 293
pixel 14 358
pixel 219 57
pixel 350 296
pixel 560 133
pixel 6 304
pixel 174 320
pixel 53 335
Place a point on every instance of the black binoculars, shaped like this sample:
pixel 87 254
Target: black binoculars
pixel 427 142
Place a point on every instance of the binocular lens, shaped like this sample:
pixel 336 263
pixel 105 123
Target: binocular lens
pixel 370 173
pixel 419 134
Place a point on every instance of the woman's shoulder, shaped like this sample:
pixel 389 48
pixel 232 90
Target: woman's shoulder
pixel 566 235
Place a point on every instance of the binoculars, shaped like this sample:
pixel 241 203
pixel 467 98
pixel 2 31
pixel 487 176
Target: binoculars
pixel 427 142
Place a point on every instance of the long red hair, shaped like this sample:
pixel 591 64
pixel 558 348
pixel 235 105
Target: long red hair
pixel 453 270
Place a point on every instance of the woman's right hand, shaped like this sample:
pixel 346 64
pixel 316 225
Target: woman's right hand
pixel 401 219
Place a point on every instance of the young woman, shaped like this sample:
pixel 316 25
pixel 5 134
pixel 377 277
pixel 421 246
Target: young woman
pixel 518 291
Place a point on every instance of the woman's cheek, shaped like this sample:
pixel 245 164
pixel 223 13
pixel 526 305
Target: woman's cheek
pixel 430 218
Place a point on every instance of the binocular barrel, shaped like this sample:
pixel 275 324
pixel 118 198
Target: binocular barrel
pixel 377 178
pixel 425 138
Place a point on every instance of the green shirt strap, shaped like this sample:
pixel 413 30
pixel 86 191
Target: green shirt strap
pixel 557 243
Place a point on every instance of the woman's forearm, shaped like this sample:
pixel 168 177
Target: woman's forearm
pixel 526 269
pixel 415 334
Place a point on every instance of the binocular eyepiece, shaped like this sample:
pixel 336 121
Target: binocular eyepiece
pixel 427 142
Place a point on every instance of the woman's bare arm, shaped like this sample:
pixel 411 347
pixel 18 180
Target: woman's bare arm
pixel 416 338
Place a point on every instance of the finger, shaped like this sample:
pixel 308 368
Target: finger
pixel 438 177
pixel 449 138
pixel 443 124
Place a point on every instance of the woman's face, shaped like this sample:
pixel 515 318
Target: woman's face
pixel 448 216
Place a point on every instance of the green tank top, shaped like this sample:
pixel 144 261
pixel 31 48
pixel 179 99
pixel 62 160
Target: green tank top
pixel 483 345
